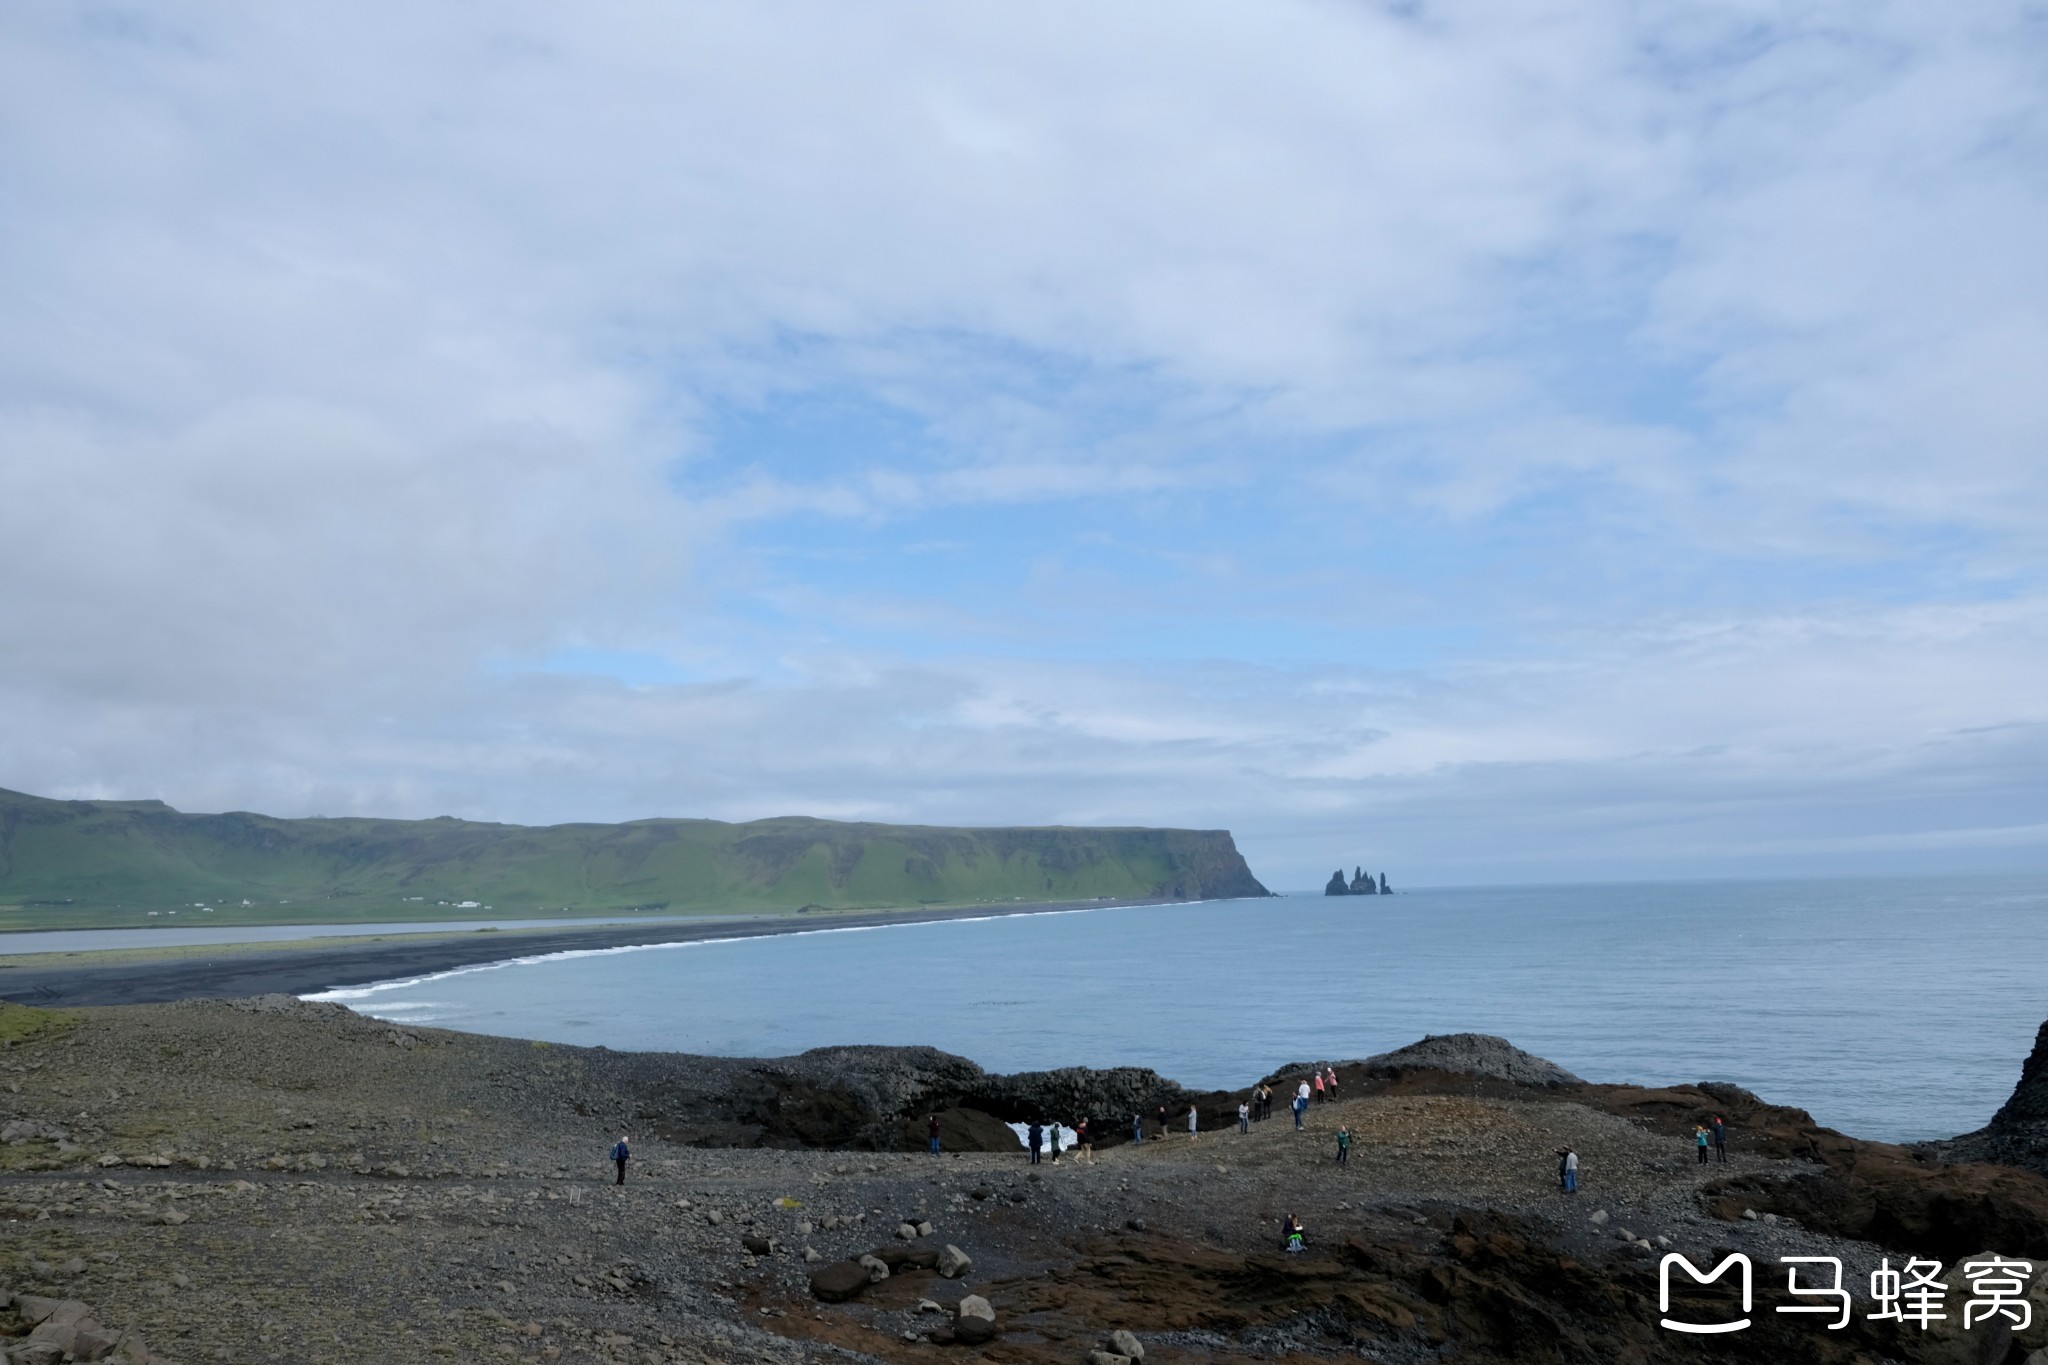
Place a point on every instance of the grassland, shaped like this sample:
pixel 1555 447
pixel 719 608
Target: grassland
pixel 100 864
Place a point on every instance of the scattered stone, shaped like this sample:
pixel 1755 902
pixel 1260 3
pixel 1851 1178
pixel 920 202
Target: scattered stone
pixel 924 1229
pixel 1598 1218
pixel 714 1218
pixel 812 1256
pixel 953 1262
pixel 840 1281
pixel 1135 1224
pixel 1749 1215
pixel 1126 1344
pixel 876 1268
pixel 974 1321
pixel 1107 1358
pixel 758 1245
pixel 906 1232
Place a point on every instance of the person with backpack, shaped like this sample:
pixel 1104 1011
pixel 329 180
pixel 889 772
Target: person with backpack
pixel 622 1152
pixel 932 1128
pixel 1037 1139
pixel 1293 1236
pixel 1343 1146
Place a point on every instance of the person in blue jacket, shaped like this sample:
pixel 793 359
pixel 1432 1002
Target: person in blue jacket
pixel 621 1154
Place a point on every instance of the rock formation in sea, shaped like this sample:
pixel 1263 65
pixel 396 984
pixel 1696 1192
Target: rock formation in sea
pixel 2018 1133
pixel 1360 883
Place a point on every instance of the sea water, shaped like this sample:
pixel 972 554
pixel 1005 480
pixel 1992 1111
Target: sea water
pixel 1896 1009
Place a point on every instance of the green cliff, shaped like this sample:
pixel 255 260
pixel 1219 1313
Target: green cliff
pixel 97 863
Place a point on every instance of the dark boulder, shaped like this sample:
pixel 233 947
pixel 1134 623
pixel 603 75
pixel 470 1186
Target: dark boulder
pixel 1338 886
pixel 838 1281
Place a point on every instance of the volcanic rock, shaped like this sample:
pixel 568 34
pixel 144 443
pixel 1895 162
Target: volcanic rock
pixel 840 1280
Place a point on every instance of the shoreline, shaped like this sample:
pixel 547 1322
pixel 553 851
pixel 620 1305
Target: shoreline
pixel 146 976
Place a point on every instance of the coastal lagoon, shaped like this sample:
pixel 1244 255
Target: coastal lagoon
pixel 1896 1009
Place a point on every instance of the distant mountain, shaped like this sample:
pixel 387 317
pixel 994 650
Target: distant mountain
pixel 99 862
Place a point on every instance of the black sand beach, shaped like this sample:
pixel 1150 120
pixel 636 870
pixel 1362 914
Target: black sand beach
pixel 154 976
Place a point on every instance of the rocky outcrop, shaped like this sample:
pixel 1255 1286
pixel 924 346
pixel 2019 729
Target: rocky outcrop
pixel 1360 883
pixel 64 1329
pixel 1468 1054
pixel 2018 1133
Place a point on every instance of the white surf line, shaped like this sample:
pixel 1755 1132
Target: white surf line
pixel 343 994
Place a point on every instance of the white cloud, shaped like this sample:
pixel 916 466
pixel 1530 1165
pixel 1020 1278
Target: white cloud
pixel 353 350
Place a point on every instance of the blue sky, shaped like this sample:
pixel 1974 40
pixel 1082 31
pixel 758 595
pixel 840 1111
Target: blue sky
pixel 1494 442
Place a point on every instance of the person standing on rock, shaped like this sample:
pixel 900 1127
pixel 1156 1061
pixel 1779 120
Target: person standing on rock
pixel 1053 1130
pixel 1137 1130
pixel 1320 1095
pixel 1163 1129
pixel 1343 1146
pixel 1037 1139
pixel 1700 1139
pixel 1194 1124
pixel 1333 1082
pixel 1244 1117
pixel 932 1125
pixel 1720 1139
pixel 1301 1112
pixel 1302 1094
pixel 1571 1171
pixel 621 1154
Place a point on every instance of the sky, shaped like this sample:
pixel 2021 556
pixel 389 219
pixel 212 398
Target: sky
pixel 1486 441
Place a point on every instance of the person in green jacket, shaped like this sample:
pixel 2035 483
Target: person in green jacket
pixel 1343 1146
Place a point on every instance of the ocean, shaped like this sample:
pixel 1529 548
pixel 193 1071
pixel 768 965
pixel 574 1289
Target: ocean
pixel 1896 1009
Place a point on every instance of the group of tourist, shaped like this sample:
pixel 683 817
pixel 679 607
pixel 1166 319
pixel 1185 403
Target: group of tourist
pixel 1715 1135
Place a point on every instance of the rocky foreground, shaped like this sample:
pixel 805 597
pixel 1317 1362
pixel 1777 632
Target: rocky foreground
pixel 268 1180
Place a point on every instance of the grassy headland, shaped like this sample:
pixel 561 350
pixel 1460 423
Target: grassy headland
pixel 103 864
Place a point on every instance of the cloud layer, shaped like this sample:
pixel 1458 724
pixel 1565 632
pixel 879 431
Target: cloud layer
pixel 1493 440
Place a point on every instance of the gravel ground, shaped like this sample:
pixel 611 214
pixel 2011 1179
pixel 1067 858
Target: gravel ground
pixel 301 1184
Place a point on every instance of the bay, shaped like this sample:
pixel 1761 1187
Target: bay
pixel 1897 1009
